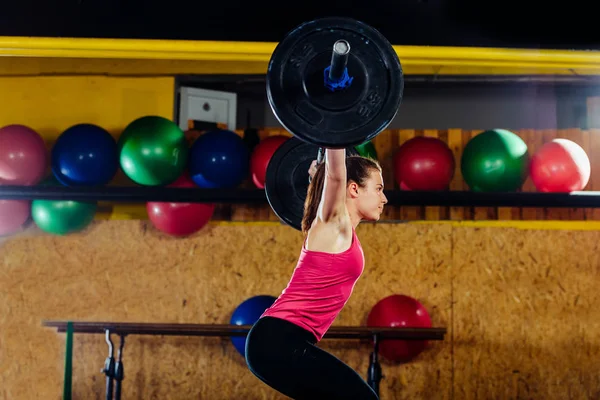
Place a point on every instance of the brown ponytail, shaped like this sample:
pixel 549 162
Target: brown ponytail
pixel 358 170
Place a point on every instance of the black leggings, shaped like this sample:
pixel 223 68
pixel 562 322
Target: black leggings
pixel 284 356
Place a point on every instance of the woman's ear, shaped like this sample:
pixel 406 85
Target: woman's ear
pixel 353 189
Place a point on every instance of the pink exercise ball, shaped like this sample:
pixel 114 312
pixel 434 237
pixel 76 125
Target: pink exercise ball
pixel 560 166
pixel 260 157
pixel 23 156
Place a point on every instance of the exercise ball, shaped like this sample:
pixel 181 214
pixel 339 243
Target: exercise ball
pixel 13 215
pixel 153 151
pixel 424 163
pixel 219 159
pixel 367 149
pixel 180 219
pixel 85 155
pixel 261 155
pixel 495 161
pixel 400 311
pixel 61 217
pixel 23 156
pixel 247 313
pixel 560 166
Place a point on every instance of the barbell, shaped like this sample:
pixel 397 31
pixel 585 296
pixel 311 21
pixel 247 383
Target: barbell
pixel 332 83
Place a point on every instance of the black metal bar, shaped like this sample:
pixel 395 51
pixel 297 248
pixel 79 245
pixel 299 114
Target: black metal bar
pixel 374 375
pixel 343 332
pixel 583 199
pixel 119 369
pixel 133 194
pixel 339 60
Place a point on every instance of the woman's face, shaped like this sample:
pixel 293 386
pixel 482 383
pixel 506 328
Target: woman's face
pixel 371 199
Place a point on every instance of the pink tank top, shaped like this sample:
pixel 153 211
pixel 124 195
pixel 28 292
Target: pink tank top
pixel 320 286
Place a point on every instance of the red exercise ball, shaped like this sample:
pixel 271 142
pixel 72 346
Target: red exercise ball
pixel 180 219
pixel 424 163
pixel 13 215
pixel 400 311
pixel 261 155
pixel 23 156
pixel 560 166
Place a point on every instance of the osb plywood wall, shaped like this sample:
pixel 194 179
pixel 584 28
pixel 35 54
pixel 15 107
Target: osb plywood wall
pixel 521 309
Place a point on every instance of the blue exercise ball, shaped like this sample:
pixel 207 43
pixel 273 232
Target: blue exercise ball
pixel 85 155
pixel 247 313
pixel 219 159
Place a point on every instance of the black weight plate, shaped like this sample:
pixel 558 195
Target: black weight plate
pixel 307 109
pixel 286 181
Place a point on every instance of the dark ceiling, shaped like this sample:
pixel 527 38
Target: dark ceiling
pixel 523 24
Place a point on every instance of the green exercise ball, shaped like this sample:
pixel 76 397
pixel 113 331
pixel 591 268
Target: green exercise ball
pixel 61 217
pixel 495 161
pixel 367 149
pixel 153 151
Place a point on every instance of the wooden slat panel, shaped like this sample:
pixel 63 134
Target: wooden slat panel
pixel 385 147
pixel 444 211
pixel 585 143
pixel 397 210
pixel 468 212
pixel 455 142
pixel 594 155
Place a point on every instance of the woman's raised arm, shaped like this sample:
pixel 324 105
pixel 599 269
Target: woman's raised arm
pixel 333 200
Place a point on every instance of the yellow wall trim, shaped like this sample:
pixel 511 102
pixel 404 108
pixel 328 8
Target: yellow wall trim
pixel 135 49
pixel 255 55
pixel 520 224
pixel 528 225
pixel 133 212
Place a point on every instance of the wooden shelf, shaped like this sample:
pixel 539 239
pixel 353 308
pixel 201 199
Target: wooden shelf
pixel 335 332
